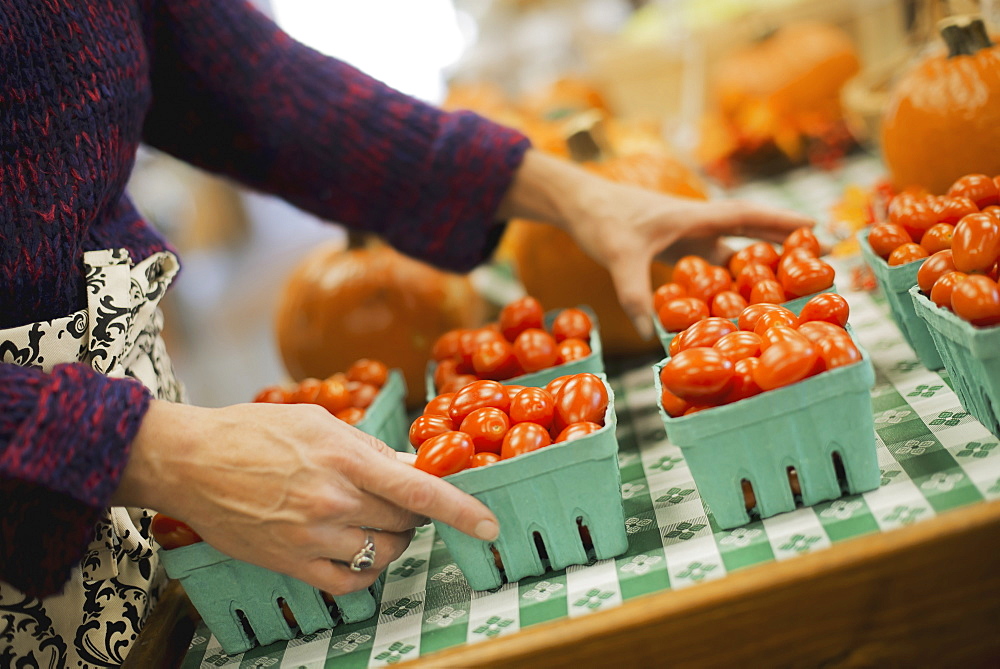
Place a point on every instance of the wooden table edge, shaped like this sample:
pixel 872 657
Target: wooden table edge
pixel 558 643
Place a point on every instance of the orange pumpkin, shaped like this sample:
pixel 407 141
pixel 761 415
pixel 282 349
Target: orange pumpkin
pixel 779 100
pixel 559 274
pixel 943 116
pixel 340 305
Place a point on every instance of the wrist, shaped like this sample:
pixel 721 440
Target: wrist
pixel 550 190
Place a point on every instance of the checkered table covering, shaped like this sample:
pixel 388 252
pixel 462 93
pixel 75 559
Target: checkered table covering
pixel 932 454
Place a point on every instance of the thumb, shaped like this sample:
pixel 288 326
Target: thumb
pixel 632 285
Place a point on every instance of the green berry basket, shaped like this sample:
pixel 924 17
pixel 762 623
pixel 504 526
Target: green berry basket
pixel 386 418
pixel 543 501
pixel 240 602
pixel 817 426
pixel 793 305
pixel 593 363
pixel 895 283
pixel 971 356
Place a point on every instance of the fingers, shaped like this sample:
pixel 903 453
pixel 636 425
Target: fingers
pixel 335 578
pixel 749 219
pixel 347 542
pixel 427 495
pixel 377 513
pixel 632 285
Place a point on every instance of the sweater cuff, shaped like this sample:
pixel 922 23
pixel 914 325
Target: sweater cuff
pixel 69 430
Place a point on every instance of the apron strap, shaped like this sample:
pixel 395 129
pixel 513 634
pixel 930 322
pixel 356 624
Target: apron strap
pixel 108 282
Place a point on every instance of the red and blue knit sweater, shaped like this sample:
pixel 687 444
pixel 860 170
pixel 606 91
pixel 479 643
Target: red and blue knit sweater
pixel 214 83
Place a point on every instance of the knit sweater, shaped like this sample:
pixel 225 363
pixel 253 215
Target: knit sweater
pixel 214 83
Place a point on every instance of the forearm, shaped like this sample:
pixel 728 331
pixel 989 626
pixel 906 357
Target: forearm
pixel 235 95
pixel 549 190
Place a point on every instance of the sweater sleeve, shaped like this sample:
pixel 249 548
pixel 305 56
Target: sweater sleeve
pixel 64 442
pixel 235 95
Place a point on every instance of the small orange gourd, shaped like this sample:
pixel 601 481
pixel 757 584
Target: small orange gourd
pixel 943 116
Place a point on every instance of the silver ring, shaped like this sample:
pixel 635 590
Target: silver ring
pixel 365 558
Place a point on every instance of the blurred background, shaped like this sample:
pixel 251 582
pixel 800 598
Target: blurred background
pixel 702 97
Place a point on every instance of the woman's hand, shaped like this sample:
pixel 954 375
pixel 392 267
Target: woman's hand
pixel 624 227
pixel 289 487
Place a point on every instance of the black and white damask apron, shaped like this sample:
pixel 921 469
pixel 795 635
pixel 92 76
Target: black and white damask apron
pixel 104 605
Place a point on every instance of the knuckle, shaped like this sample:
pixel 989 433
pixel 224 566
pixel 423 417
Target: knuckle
pixel 417 495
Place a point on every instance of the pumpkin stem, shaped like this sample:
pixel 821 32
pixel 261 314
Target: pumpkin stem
pixel 585 137
pixel 359 240
pixel 964 35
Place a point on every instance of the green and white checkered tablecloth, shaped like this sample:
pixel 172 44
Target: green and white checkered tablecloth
pixel 932 454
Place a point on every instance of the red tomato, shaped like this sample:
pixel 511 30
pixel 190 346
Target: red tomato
pixel 513 390
pixel 919 215
pixel 803 238
pixel 837 352
pixel 369 371
pixel 445 454
pixel 703 333
pixel 484 459
pixel 571 324
pixel 743 384
pixel 933 268
pixel 749 316
pixel 486 426
pixel 976 243
pixel 576 431
pixel 673 405
pixel 583 397
pixel 306 392
pixel 555 384
pixel 885 238
pixel 476 396
pixel 785 363
pixel 700 375
pixel 533 405
pixel 440 405
pixel 351 415
pixel 171 533
pixel 469 342
pixel 427 426
pixel 767 291
pixel 524 438
pixel 362 394
pixel 806 277
pixel 938 237
pixel 447 345
pixel 977 300
pixel 758 253
pixel 750 276
pixel 952 209
pixel 738 345
pixel 272 395
pixel 943 288
pixel 695 408
pixel 779 333
pixel 829 307
pixel 445 371
pixel 667 292
pixel 769 319
pixel 710 282
pixel 678 314
pixel 496 360
pixel 569 350
pixel 535 350
pixel 727 304
pixel 793 257
pixel 816 331
pixel 907 253
pixel 519 316
pixel 977 187
pixel 687 267
pixel 333 395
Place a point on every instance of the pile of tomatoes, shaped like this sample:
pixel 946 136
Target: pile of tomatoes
pixel 919 224
pixel 517 344
pixel 755 274
pixel 347 395
pixel 715 361
pixel 485 421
